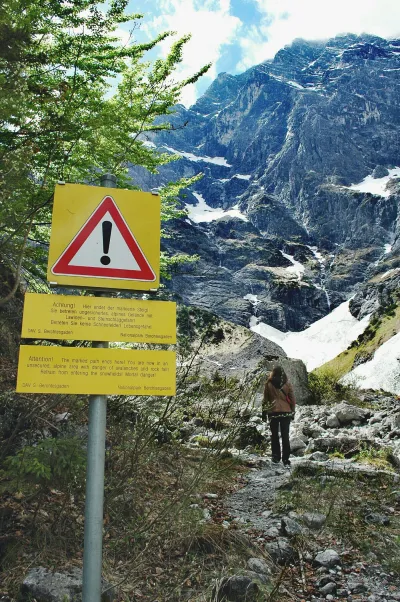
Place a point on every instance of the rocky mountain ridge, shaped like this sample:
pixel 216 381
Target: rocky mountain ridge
pixel 283 228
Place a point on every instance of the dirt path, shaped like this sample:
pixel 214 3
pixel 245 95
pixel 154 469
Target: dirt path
pixel 252 504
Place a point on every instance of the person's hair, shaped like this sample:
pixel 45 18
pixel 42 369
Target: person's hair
pixel 278 377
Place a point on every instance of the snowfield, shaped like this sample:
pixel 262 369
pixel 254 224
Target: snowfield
pixel 204 213
pixel 320 342
pixel 331 335
pixel 382 372
pixel 376 185
pixel 191 157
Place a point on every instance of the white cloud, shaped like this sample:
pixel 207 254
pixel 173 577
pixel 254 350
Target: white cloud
pixel 284 20
pixel 211 25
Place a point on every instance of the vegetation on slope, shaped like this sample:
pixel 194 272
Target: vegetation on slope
pixel 384 324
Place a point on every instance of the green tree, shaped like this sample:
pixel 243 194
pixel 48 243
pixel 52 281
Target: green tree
pixel 62 116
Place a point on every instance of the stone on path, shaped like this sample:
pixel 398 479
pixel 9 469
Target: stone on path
pixel 297 445
pixel 290 528
pixel 280 551
pixel 329 558
pixel 258 565
pixel 237 588
pixel 314 520
pixel 332 422
pixel 43 585
pixel 318 456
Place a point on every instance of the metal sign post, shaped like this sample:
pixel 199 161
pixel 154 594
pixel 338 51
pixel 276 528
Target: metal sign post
pixel 102 239
pixel 93 538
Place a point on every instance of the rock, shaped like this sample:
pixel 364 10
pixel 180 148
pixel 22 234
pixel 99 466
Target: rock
pixel 329 558
pixel 324 580
pixel 346 412
pixel 248 435
pixel 297 445
pixel 258 565
pixel 318 457
pixel 357 587
pixel 332 422
pixel 341 443
pixel 380 171
pixel 342 593
pixel 238 588
pixel 377 519
pixel 314 520
pixel 290 528
pixel 256 577
pixel 280 551
pixel 328 588
pixel 44 586
pixel 313 430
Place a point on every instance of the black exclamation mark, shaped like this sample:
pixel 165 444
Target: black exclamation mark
pixel 107 227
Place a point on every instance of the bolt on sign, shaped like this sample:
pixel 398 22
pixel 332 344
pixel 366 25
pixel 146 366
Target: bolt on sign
pixel 79 370
pixel 69 317
pixel 104 238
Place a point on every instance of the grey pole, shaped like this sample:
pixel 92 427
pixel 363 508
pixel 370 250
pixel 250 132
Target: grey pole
pixel 93 538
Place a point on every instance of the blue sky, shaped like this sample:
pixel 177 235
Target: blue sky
pixel 236 34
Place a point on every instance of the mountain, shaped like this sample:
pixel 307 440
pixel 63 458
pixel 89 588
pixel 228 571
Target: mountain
pixel 298 208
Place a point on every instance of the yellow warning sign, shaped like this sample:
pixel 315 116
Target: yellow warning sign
pixel 104 238
pixel 98 319
pixel 72 370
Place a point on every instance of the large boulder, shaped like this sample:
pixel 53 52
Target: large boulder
pixel 346 412
pixel 297 375
pixel 342 444
pixel 42 585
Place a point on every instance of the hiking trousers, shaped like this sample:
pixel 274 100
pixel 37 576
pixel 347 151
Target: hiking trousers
pixel 284 423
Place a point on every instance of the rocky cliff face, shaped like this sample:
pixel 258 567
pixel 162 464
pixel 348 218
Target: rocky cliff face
pixel 299 154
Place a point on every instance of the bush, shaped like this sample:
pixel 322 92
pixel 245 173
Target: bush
pixel 60 462
pixel 326 388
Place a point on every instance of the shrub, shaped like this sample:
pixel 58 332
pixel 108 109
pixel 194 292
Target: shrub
pixel 326 388
pixel 60 462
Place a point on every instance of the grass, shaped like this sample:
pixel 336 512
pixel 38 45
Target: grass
pixel 346 499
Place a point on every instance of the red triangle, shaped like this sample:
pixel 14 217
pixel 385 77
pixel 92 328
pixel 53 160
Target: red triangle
pixel 62 266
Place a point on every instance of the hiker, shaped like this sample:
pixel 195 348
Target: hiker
pixel 279 406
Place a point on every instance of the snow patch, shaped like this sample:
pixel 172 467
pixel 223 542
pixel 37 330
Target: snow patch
pixel 254 300
pixel 389 272
pixel 241 176
pixel 320 342
pixel 148 143
pixel 388 248
pixel 317 254
pixel 191 157
pixel 376 185
pixel 295 85
pixel 382 372
pixel 296 267
pixel 204 213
